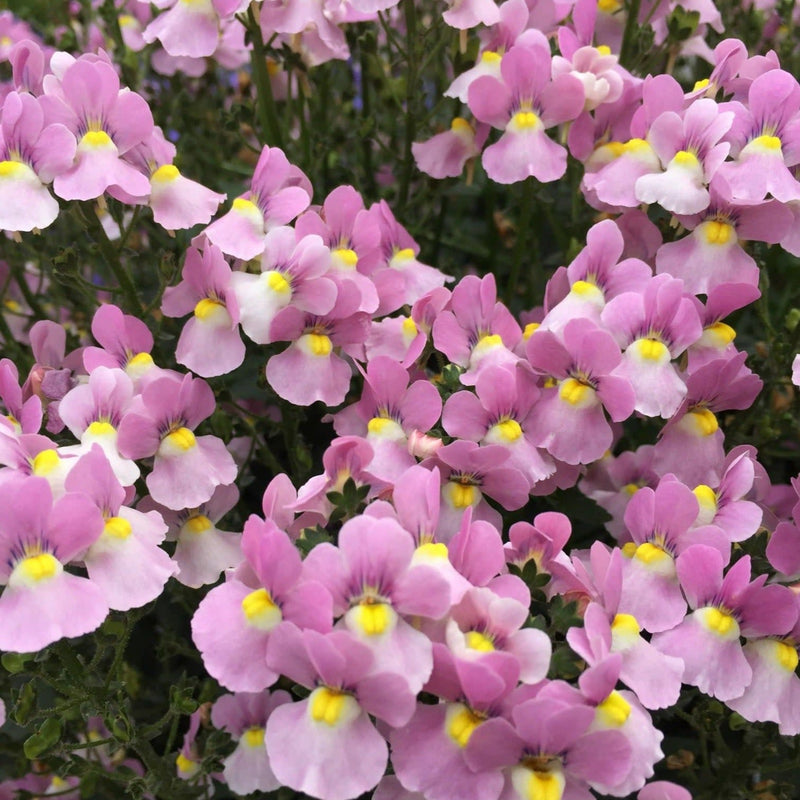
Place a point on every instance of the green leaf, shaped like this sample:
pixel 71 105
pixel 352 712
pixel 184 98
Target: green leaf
pixel 43 740
pixel 14 662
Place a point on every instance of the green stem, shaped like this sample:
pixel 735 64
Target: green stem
pixel 111 256
pixel 366 116
pixel 410 13
pixel 631 26
pixel 523 238
pixel 88 745
pixel 267 111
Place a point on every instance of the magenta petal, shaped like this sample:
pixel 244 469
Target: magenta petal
pixel 338 762
pixel 233 652
pixel 517 156
pixel 188 480
pixel 602 757
pixel 63 606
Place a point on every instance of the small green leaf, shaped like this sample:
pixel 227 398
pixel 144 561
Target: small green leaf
pixel 43 740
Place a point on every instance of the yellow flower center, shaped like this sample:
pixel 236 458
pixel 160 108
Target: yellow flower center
pixel 479 641
pixel 96 139
pixel 198 524
pixel 786 656
pixel 181 439
pixel 207 307
pixel 39 567
pixel 576 393
pixel 625 623
pixel 650 553
pixel 718 232
pixel 461 723
pixel 45 462
pixel 332 706
pixel 372 618
pixel 10 169
pixel 702 422
pixel 165 174
pixel 260 610
pixel 101 428
pixel 720 621
pixel 614 711
pixel 117 528
pixel 253 737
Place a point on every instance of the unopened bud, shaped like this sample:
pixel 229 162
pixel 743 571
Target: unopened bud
pixel 420 445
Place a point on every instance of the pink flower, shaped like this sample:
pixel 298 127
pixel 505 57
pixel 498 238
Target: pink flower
pixel 41 602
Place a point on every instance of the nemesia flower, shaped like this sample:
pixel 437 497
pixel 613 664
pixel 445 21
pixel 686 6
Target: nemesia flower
pixel 765 141
pixel 614 182
pixel 400 278
pixel 202 550
pixel 106 120
pixel 470 471
pixel 570 422
pixel 465 14
pixel 559 754
pixel 126 561
pixel 210 343
pixel 311 368
pixel 353 237
pixel 27 65
pixel 652 675
pixel 613 480
pixel 691 442
pixel 93 411
pixel 187 468
pixel 718 336
pixel 524 104
pixel 25 416
pixel 31 155
pixel 445 154
pixel 389 409
pixel 659 522
pixel 310 26
pixel 725 505
pixel 278 192
pixel 50 377
pixel 774 691
pixel 32 454
pixel 499 413
pixel 594 277
pixel 488 64
pixel 41 602
pixel 373 583
pixel 293 272
pixel 345 755
pixel 543 542
pixel 176 201
pixel 484 627
pixel 189 29
pixel 346 457
pixel 725 608
pixel 125 342
pixel 456 748
pixel 621 711
pixel 691 152
pixel 653 327
pixel 598 71
pixel 245 717
pixel 477 329
pixel 713 248
pixel 234 622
